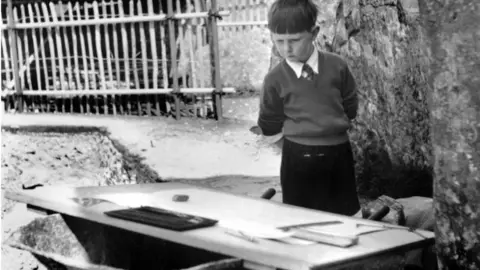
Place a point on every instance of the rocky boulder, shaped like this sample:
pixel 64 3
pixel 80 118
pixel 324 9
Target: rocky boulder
pixel 455 68
pixel 385 46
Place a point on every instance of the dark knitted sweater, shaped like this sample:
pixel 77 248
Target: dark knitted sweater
pixel 316 112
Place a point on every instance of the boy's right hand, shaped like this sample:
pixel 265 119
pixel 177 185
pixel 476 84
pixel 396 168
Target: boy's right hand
pixel 256 130
pixel 276 139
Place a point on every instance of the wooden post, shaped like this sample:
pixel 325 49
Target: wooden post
pixel 455 115
pixel 173 56
pixel 16 79
pixel 215 60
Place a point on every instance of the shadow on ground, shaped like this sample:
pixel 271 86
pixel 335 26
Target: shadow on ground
pixel 252 186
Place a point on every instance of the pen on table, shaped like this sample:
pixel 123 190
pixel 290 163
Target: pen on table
pixel 242 235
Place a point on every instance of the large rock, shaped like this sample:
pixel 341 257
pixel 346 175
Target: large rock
pixel 384 44
pixel 455 49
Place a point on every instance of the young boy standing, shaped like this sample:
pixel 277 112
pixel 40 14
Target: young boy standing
pixel 311 97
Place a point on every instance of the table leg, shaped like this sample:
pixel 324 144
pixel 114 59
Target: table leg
pixel 77 243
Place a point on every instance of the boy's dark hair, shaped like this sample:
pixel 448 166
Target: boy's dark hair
pixel 292 16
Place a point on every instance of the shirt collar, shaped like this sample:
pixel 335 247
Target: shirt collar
pixel 312 62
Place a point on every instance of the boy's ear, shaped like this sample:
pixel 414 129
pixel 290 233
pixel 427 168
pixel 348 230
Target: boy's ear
pixel 315 31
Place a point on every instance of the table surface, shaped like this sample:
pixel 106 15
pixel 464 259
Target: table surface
pixel 224 206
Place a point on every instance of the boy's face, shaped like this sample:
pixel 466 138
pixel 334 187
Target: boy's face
pixel 295 47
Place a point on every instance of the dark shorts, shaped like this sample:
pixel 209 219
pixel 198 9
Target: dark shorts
pixel 319 177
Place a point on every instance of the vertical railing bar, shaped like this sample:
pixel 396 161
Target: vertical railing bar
pixel 173 57
pixel 163 48
pixel 124 35
pixel 76 61
pixel 13 47
pixel 98 47
pixel 92 60
pixel 143 48
pixel 199 39
pixel 20 53
pixel 41 32
pixel 83 50
pixel 6 59
pixel 181 46
pixel 133 36
pixel 153 47
pixel 8 67
pixel 51 56
pixel 58 42
pixel 28 59
pixel 66 39
pixel 106 29
pixel 118 76
pixel 191 59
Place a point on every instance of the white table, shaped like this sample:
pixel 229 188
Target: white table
pixel 223 206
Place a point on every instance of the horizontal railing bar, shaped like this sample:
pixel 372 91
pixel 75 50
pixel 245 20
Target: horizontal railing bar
pixel 127 19
pixel 115 92
pixel 242 23
pixel 67 57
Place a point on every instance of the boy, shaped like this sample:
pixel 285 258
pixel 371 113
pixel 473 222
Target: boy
pixel 311 97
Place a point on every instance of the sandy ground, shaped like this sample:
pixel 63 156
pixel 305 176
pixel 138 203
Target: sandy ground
pixel 222 155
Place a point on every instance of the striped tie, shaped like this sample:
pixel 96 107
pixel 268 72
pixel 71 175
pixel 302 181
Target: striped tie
pixel 307 72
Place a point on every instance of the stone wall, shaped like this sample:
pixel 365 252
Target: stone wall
pixel 454 32
pixel 385 46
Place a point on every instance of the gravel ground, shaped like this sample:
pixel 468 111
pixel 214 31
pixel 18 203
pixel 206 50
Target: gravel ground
pixel 223 155
pixel 49 159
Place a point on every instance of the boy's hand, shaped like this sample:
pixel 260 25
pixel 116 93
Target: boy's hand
pixel 256 130
pixel 269 139
pixel 276 140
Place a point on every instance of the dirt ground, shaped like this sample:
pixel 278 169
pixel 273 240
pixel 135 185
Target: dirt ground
pixel 222 155
pixel 48 159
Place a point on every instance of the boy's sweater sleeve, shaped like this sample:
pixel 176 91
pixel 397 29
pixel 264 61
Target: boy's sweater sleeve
pixel 349 94
pixel 271 115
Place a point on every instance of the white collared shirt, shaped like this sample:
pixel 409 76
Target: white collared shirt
pixel 312 62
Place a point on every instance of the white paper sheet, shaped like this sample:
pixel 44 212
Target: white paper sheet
pixel 255 229
pixel 296 241
pixel 344 229
pixel 128 199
